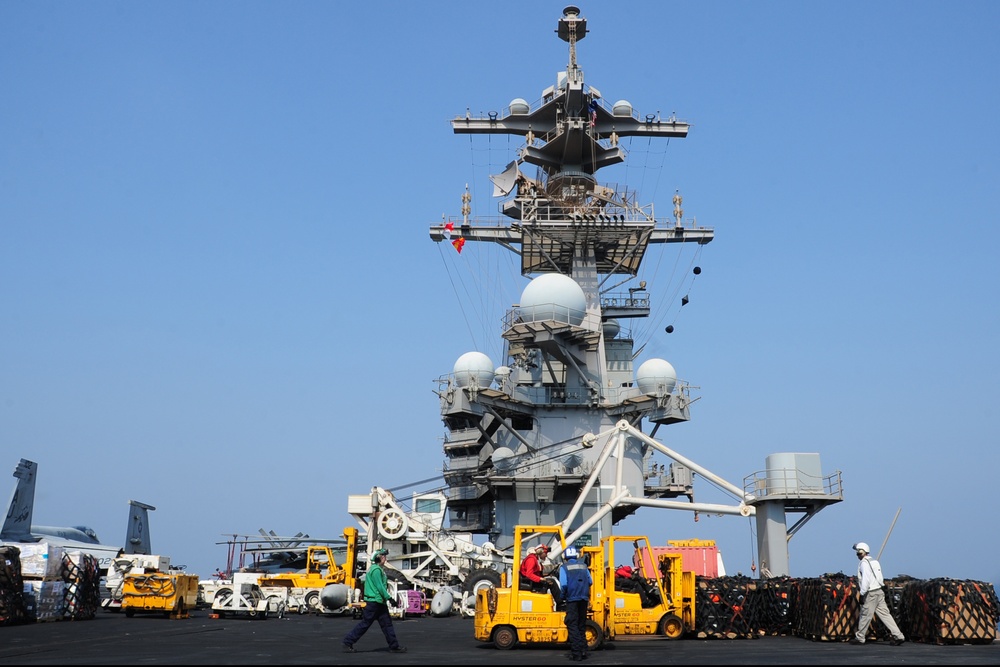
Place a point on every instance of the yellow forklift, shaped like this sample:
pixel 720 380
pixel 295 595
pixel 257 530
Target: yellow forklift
pixel 652 603
pixel 509 615
pixel 647 601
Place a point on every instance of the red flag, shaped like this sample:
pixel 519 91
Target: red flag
pixel 458 243
pixel 448 228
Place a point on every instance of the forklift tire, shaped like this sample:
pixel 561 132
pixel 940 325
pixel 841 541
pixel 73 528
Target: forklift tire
pixel 671 626
pixel 594 635
pixel 505 637
pixel 480 578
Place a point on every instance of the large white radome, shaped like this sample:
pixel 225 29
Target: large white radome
pixel 553 296
pixel 474 366
pixel 656 377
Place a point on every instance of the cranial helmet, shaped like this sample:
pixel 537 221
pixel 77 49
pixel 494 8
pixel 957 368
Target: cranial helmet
pixel 571 552
pixel 862 546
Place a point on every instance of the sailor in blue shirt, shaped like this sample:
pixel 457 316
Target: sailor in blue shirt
pixel 575 582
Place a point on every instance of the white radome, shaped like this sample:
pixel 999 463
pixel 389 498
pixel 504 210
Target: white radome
pixel 656 377
pixel 474 366
pixel 622 108
pixel 553 296
pixel 518 106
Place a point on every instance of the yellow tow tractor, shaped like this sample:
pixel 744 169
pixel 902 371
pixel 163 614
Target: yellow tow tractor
pixel 507 616
pixel 173 594
pixel 648 602
pixel 303 590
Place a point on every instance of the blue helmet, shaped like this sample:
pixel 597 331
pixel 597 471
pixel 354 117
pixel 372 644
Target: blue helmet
pixel 571 553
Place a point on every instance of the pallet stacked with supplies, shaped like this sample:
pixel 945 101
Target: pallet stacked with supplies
pixel 950 611
pixel 773 605
pixel 827 608
pixel 59 584
pixel 82 576
pixel 44 588
pixel 723 608
pixel 12 610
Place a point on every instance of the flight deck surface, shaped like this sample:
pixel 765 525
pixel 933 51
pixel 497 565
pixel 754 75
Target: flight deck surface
pixel 113 639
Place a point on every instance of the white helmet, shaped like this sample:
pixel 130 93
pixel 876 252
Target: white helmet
pixel 862 546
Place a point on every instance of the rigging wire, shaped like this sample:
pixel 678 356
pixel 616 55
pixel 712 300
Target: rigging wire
pixel 644 331
pixel 484 295
pixel 458 296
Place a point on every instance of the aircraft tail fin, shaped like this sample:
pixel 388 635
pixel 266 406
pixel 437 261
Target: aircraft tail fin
pixel 137 531
pixel 17 525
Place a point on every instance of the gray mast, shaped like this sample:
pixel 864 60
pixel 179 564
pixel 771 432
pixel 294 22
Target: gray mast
pixel 520 451
pixel 556 434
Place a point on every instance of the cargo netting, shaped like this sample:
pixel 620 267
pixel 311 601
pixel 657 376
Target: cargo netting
pixel 12 610
pixel 82 575
pixel 827 608
pixel 70 591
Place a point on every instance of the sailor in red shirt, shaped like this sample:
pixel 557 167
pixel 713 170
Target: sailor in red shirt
pixel 532 578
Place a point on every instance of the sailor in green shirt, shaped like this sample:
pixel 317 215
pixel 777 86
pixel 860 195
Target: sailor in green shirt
pixel 377 601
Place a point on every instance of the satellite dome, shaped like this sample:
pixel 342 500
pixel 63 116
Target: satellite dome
pixel 553 296
pixel 611 328
pixel 518 106
pixel 656 377
pixel 474 367
pixel 622 108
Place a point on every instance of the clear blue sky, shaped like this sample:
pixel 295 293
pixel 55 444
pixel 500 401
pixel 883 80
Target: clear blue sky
pixel 218 294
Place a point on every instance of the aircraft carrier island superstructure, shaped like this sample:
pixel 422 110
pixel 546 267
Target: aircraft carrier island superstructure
pixel 563 430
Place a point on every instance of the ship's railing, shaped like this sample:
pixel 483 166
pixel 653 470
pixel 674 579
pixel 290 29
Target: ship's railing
pixel 558 215
pixel 549 94
pixel 790 483
pixel 591 216
pixel 543 312
pixel 538 395
pixel 623 300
